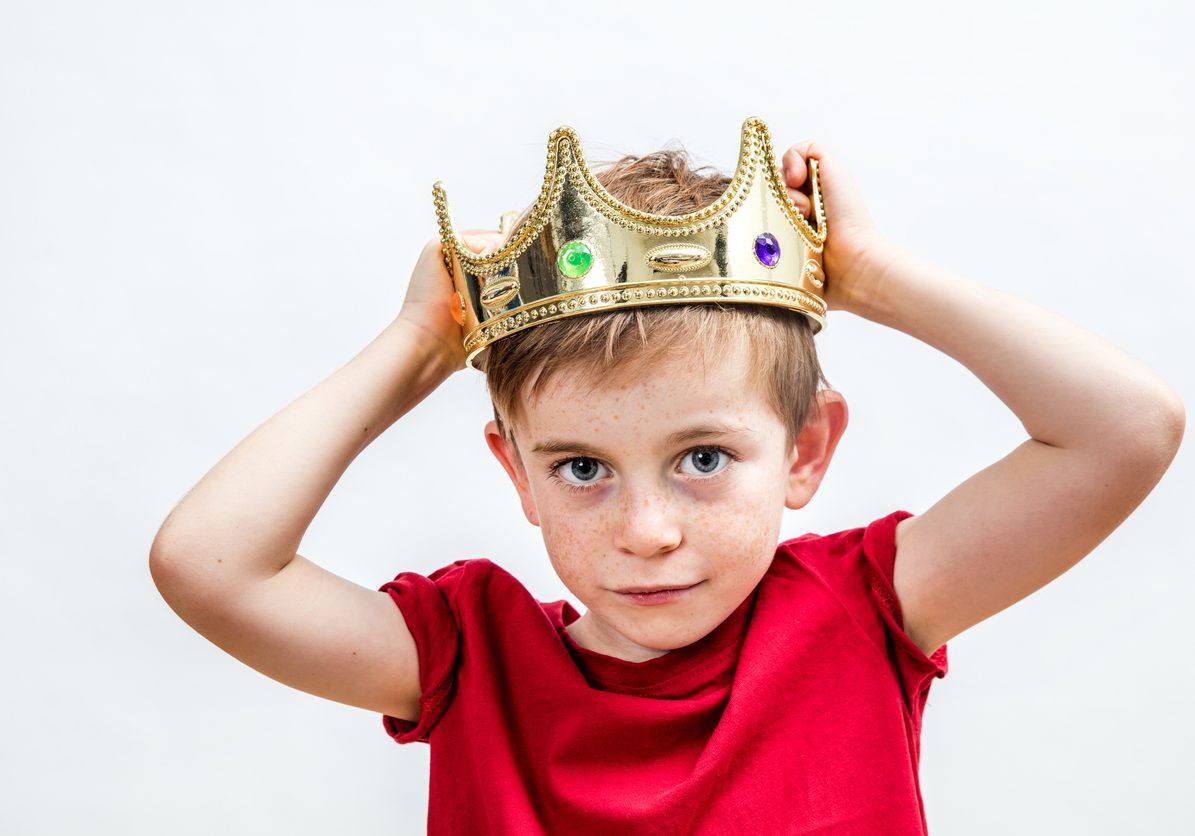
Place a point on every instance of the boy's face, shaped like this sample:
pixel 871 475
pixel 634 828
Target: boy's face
pixel 621 504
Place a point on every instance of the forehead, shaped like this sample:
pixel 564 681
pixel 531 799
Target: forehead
pixel 643 403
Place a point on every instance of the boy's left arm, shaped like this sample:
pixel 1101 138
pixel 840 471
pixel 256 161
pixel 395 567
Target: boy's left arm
pixel 1102 427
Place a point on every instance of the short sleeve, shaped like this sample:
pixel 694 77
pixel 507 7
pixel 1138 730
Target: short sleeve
pixel 917 671
pixel 424 603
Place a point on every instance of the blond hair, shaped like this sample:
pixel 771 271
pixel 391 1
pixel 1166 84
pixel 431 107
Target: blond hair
pixel 630 341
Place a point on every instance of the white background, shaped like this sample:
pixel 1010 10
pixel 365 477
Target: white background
pixel 206 209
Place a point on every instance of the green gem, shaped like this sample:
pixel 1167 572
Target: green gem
pixel 575 259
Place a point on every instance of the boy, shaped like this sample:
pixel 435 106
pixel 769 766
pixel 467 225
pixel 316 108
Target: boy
pixel 717 682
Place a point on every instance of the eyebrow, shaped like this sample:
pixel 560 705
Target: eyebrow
pixel 552 445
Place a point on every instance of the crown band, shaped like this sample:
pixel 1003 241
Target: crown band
pixel 643 294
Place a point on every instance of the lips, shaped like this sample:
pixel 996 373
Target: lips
pixel 641 589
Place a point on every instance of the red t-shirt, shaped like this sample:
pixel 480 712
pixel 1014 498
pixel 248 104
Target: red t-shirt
pixel 799 714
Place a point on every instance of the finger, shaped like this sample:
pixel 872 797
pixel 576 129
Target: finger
pixel 482 241
pixel 794 167
pixel 796 161
pixel 800 201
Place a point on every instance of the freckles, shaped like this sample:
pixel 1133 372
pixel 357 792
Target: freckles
pixel 577 547
pixel 740 533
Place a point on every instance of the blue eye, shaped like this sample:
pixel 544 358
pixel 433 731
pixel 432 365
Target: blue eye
pixel 582 469
pixel 707 460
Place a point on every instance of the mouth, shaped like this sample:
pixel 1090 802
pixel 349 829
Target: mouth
pixel 655 594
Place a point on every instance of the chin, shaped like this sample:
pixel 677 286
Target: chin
pixel 670 635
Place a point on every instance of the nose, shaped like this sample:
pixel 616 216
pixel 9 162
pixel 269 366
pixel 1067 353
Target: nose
pixel 649 524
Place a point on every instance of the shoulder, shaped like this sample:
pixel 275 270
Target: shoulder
pixel 466 570
pixel 463 584
pixel 849 551
pixel 855 566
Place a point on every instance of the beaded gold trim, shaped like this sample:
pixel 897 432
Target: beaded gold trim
pixel 642 293
pixel 567 159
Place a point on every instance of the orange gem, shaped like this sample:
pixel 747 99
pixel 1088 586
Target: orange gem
pixel 457 305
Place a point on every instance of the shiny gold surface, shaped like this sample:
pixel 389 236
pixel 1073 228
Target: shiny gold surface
pixel 678 258
pixel 712 249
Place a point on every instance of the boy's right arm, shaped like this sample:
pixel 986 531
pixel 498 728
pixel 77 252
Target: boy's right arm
pixel 226 557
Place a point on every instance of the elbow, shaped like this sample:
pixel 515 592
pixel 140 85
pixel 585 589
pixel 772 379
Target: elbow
pixel 1178 418
pixel 1170 423
pixel 179 575
pixel 1157 434
pixel 179 570
pixel 165 566
pixel 198 575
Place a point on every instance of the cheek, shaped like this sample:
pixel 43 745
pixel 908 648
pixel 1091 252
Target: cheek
pixel 744 530
pixel 574 541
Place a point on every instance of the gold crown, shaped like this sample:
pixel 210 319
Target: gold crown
pixel 581 250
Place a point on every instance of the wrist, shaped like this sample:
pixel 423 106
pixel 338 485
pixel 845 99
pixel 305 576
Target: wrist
pixel 439 358
pixel 867 280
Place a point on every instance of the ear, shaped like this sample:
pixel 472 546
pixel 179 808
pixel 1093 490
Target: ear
pixel 814 447
pixel 508 456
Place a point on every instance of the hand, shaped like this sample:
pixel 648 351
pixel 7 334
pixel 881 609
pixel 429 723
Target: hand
pixel 852 238
pixel 430 296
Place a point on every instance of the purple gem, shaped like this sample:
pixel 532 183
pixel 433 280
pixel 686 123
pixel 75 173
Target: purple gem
pixel 767 249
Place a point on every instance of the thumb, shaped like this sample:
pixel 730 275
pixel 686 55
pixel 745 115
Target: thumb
pixel 482 241
pixel 842 197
